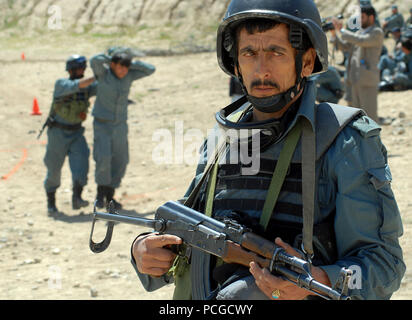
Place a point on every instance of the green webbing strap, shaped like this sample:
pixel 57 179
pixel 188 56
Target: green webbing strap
pixel 212 160
pixel 211 186
pixel 280 173
pixel 308 186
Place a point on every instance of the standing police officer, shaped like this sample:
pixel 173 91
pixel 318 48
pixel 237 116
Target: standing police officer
pixel 115 76
pixel 364 47
pixel 334 201
pixel 66 134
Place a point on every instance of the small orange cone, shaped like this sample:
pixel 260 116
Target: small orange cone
pixel 23 57
pixel 36 109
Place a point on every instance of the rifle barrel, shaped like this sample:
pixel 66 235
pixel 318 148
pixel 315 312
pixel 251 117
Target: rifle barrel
pixel 151 223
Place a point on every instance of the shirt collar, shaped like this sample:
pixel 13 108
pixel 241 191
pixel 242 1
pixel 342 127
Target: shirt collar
pixel 366 30
pixel 307 105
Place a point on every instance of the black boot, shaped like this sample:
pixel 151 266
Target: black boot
pixel 77 201
pixel 101 195
pixel 386 86
pixel 109 195
pixel 51 203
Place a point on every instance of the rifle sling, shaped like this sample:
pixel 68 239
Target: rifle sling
pixel 308 186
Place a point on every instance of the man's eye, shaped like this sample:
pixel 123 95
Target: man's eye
pixel 249 53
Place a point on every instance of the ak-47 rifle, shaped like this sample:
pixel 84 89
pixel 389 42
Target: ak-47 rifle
pixel 49 121
pixel 228 240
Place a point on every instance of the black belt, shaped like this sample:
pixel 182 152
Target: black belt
pixel 71 127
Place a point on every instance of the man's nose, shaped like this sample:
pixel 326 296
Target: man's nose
pixel 262 70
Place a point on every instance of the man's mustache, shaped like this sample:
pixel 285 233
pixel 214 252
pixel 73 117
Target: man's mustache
pixel 267 83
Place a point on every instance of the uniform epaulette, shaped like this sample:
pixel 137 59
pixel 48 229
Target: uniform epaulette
pixel 366 126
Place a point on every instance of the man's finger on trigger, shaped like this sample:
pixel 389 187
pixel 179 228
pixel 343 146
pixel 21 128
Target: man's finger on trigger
pixel 166 239
pixel 163 254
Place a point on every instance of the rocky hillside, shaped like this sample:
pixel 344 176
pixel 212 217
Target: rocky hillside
pixel 171 21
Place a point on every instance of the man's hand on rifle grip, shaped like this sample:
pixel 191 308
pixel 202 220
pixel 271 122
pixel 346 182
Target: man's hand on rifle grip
pixel 152 255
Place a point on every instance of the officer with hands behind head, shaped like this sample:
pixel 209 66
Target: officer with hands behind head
pixel 115 74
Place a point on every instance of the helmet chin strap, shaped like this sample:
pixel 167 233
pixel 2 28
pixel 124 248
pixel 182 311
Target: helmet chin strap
pixel 276 102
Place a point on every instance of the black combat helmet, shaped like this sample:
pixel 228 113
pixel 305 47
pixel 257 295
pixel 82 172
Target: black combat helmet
pixel 76 62
pixel 301 13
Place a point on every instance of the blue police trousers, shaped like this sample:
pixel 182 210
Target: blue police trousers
pixel 62 143
pixel 111 152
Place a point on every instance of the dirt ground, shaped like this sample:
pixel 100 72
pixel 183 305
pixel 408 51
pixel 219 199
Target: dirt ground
pixel 44 257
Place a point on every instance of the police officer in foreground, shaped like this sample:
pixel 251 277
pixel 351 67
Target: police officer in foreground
pixel 338 174
pixel 66 133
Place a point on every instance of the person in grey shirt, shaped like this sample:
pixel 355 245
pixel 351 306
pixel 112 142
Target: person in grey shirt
pixel 364 47
pixel 115 76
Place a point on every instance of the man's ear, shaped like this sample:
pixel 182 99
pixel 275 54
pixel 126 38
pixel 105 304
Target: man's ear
pixel 308 62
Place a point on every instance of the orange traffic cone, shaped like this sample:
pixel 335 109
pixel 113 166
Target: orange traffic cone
pixel 23 57
pixel 36 109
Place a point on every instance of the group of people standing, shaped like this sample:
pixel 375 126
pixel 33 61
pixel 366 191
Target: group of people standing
pixel 111 83
pixel 369 67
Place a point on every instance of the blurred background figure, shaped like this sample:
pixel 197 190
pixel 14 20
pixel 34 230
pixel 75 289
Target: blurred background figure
pixel 408 23
pixel 364 47
pixel 390 60
pixel 329 87
pixel 398 76
pixel 393 21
